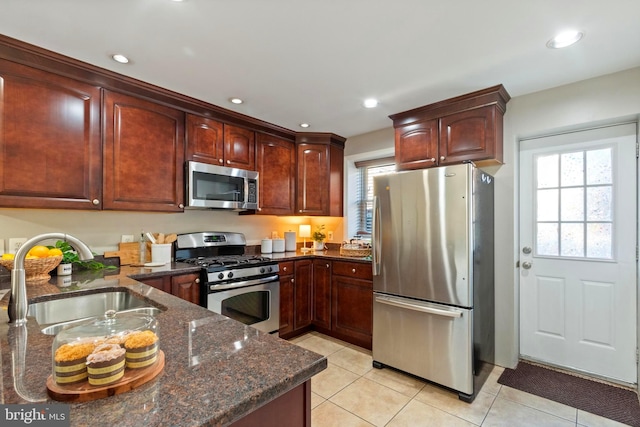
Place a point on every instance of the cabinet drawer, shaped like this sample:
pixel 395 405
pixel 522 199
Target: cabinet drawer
pixel 286 268
pixel 352 269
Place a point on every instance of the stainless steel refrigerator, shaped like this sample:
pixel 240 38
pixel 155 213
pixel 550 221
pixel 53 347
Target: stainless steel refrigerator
pixel 433 275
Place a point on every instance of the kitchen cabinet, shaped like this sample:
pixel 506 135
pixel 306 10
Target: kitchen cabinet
pixel 465 128
pixel 302 294
pixel 352 302
pixel 322 295
pixel 143 155
pixel 287 303
pixel 319 176
pixel 185 286
pixel 217 143
pixel 276 164
pixel 49 140
pixel 296 281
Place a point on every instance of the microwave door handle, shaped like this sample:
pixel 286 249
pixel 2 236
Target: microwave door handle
pixel 376 237
pixel 418 307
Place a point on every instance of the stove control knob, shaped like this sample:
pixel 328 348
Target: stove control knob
pixel 270 269
pixel 230 275
pixel 262 270
pixel 220 276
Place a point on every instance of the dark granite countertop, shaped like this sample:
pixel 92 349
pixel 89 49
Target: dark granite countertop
pixel 216 370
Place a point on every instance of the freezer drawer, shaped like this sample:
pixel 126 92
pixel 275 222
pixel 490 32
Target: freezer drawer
pixel 429 340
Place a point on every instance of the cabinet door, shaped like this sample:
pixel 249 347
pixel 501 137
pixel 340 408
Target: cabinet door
pixel 352 309
pixel 187 287
pixel 205 140
pixel 143 155
pixel 277 168
pixel 322 294
pixel 163 283
pixel 239 147
pixel 312 179
pixel 417 145
pixel 287 283
pixel 49 140
pixel 302 293
pixel 469 135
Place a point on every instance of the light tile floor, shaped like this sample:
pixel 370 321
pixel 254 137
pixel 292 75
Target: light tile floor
pixel 351 393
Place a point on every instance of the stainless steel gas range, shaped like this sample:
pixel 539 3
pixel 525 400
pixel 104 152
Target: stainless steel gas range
pixel 240 286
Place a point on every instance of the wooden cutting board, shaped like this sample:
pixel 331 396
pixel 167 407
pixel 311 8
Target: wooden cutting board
pixel 129 253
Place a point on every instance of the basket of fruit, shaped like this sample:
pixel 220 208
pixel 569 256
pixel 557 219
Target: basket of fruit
pixel 39 262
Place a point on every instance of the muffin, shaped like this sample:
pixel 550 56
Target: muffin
pixel 70 362
pixel 141 349
pixel 106 364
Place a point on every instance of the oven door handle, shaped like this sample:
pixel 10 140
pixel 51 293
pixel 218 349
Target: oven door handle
pixel 243 283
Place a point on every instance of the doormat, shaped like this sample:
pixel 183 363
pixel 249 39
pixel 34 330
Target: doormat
pixel 601 399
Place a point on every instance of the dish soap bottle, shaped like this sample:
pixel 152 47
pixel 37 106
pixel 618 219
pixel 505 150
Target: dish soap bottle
pixel 143 248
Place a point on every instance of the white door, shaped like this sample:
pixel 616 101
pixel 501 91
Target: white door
pixel 578 251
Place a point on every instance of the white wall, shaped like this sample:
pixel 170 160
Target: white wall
pixel 101 230
pixel 604 99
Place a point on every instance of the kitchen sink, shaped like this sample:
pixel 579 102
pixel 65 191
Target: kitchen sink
pixel 56 315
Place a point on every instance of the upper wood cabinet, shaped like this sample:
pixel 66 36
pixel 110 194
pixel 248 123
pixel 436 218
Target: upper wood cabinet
pixel 49 140
pixel 211 141
pixel 143 155
pixel 319 182
pixel 276 164
pixel 465 128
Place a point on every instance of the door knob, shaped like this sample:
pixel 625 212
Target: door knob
pixel 526 265
pixel 526 250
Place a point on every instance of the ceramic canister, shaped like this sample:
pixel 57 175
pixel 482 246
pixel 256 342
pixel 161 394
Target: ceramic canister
pixel 290 241
pixel 278 245
pixel 267 246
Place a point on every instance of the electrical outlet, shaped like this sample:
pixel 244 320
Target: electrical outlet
pixel 126 238
pixel 330 235
pixel 15 243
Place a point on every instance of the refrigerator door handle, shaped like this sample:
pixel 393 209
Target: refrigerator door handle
pixel 418 307
pixel 376 239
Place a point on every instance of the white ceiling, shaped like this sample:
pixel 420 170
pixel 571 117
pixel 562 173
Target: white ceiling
pixel 315 61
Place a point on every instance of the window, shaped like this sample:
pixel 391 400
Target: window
pixel 367 170
pixel 574 204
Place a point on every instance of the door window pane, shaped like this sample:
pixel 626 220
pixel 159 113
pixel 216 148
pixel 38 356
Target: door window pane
pixel 574 204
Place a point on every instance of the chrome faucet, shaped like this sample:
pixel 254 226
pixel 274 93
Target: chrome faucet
pixel 18 307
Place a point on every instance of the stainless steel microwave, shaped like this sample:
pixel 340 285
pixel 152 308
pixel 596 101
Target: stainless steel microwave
pixel 219 187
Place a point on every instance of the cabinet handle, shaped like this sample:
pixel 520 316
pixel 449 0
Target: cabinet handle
pixel 95 202
pixel 442 157
pixel 197 280
pixel 220 161
pixel 228 162
pixel 181 206
pixel 433 159
pixel 292 280
pixel 327 265
pixel 284 268
pixel 353 270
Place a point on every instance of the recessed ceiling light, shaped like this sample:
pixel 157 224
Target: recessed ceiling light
pixel 236 100
pixel 120 58
pixel 370 103
pixel 564 39
pixel 304 125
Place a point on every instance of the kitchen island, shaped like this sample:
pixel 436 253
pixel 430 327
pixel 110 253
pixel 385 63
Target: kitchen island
pixel 217 371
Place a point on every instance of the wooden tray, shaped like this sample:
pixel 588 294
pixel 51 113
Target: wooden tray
pixel 84 392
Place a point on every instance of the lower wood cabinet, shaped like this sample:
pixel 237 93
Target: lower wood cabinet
pixel 185 286
pixel 333 297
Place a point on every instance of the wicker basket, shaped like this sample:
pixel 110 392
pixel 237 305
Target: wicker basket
pixel 35 268
pixel 355 252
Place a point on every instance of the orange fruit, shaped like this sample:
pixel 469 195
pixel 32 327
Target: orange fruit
pixel 31 257
pixel 8 256
pixel 55 252
pixel 39 251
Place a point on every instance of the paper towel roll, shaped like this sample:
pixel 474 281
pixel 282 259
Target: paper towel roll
pixel 267 246
pixel 278 245
pixel 290 241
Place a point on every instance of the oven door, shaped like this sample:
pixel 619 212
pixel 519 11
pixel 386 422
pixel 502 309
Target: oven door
pixel 257 305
